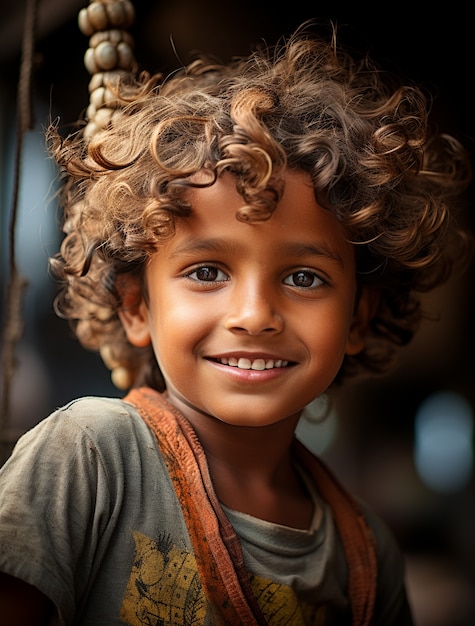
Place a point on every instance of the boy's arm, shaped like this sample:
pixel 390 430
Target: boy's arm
pixel 22 604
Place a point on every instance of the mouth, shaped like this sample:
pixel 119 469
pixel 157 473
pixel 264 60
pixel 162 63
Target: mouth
pixel 245 363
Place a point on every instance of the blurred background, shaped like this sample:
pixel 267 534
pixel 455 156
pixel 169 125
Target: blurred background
pixel 403 442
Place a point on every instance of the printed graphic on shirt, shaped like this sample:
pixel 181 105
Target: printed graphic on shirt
pixel 164 589
pixel 281 606
pixel 164 586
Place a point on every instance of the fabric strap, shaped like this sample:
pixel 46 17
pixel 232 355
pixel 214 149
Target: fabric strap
pixel 216 545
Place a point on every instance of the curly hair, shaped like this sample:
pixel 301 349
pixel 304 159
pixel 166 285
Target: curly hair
pixel 362 135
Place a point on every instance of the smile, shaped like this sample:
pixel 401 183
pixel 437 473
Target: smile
pixel 254 364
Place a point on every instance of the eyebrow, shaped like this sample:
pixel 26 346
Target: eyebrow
pixel 192 246
pixel 295 249
pixel 320 249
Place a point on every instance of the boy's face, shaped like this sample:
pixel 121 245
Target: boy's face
pixel 250 322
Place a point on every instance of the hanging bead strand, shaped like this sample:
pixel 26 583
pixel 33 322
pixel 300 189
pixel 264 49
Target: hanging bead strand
pixel 109 57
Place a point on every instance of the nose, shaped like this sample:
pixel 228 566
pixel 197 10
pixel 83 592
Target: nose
pixel 253 309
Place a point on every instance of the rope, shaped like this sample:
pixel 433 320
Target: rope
pixel 13 325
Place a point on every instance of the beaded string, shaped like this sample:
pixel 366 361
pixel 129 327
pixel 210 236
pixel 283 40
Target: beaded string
pixel 109 56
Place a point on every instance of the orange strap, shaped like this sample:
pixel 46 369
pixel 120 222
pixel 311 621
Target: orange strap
pixel 216 545
pixel 359 542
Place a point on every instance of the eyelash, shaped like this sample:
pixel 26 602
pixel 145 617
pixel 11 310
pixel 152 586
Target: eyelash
pixel 308 273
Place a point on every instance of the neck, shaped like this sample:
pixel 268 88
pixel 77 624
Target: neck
pixel 251 467
pixel 253 472
pixel 249 451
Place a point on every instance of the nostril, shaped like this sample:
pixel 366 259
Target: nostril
pixel 255 324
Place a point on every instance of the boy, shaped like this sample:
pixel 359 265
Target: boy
pixel 239 240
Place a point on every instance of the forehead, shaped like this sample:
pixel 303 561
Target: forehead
pixel 297 220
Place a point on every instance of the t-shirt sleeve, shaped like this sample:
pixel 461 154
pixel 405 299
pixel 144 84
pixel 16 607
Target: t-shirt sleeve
pixel 54 503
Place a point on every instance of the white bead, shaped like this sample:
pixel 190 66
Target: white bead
pixel 90 61
pixel 122 378
pixel 130 11
pixel 90 130
pixel 99 37
pixel 115 35
pixel 106 355
pixel 113 78
pixel 116 13
pixel 97 97
pixel 110 99
pixel 127 38
pixel 96 81
pixel 125 56
pixel 103 117
pixel 101 312
pixel 84 24
pixel 105 55
pixel 91 112
pixel 97 15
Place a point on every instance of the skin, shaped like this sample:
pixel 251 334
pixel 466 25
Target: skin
pixel 22 604
pixel 281 292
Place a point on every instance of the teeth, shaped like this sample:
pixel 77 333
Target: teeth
pixel 257 364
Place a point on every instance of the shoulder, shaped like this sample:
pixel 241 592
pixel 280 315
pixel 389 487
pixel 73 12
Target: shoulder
pixel 93 414
pixel 94 407
pixel 96 428
pixel 90 446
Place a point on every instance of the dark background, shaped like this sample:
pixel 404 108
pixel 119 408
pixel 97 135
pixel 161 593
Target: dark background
pixel 371 440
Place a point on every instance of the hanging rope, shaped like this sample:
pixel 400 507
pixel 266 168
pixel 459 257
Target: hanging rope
pixel 13 324
pixel 108 58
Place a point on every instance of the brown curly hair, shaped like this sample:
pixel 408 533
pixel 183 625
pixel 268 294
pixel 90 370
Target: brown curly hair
pixel 306 104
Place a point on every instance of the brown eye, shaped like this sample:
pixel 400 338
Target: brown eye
pixel 207 274
pixel 304 279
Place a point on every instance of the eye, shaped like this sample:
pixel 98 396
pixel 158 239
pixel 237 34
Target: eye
pixel 304 279
pixel 207 274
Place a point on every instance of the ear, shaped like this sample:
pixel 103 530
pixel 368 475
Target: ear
pixel 134 312
pixel 365 310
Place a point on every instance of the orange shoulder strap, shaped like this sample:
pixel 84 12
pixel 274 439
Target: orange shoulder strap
pixel 357 537
pixel 217 547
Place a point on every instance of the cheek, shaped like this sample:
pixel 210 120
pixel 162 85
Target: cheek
pixel 176 332
pixel 327 336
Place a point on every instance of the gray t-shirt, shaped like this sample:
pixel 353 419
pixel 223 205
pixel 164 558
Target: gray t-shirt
pixel 89 516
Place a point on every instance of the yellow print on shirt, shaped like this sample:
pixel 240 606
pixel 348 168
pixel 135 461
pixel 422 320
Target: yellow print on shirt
pixel 164 589
pixel 281 607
